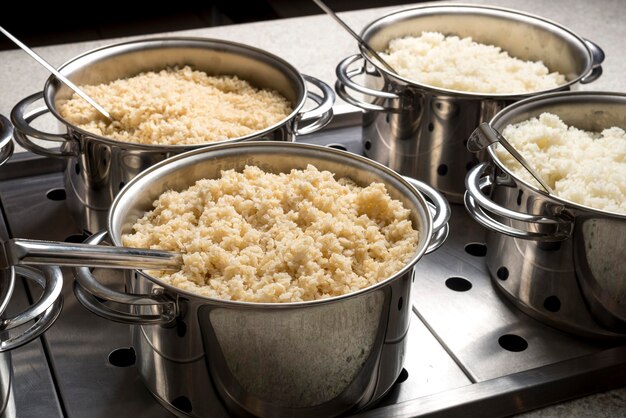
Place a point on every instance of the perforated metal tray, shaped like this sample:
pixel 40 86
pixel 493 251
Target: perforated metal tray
pixel 470 351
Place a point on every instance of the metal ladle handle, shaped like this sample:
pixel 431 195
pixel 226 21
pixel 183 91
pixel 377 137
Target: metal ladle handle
pixel 485 136
pixel 360 40
pixel 19 251
pixel 57 74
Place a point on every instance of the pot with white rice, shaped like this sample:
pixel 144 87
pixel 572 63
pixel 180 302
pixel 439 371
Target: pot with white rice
pixel 455 67
pixel 559 256
pixel 294 298
pixel 166 96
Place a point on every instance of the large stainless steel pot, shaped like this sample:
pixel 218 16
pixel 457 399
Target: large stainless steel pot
pixel 98 167
pixel 419 130
pixel 316 358
pixel 559 261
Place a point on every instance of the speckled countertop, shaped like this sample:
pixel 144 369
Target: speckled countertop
pixel 315 44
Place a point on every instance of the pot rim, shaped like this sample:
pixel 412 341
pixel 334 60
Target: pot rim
pixel 557 97
pixel 6 131
pixel 425 232
pixel 52 82
pixel 473 95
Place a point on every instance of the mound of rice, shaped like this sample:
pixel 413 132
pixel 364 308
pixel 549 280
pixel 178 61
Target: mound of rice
pixel 461 64
pixel 262 237
pixel 177 106
pixel 583 167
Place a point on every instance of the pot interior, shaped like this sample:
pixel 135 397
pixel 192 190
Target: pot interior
pixel 521 35
pixel 182 171
pixel 215 57
pixel 586 111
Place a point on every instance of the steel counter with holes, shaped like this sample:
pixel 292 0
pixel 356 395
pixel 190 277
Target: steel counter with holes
pixel 470 351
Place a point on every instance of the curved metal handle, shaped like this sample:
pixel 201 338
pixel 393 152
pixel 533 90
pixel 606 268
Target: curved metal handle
pixel 89 292
pixel 6 139
pixel 22 119
pixel 476 202
pixel 344 82
pixel 48 306
pixel 315 119
pixel 440 212
pixel 597 55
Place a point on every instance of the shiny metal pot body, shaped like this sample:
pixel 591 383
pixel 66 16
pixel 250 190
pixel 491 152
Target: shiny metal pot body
pixel 308 359
pixel 419 130
pixel 561 262
pixel 98 167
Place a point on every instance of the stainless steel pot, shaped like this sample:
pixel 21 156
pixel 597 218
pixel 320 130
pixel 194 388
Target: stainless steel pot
pixel 307 359
pixel 419 130
pixel 559 261
pixel 98 167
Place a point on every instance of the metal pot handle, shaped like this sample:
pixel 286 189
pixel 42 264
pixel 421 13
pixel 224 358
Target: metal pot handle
pixel 93 296
pixel 22 119
pixel 476 203
pixel 440 212
pixel 344 82
pixel 315 119
pixel 597 55
pixel 48 306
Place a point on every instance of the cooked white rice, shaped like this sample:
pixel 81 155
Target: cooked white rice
pixel 177 106
pixel 464 65
pixel 583 167
pixel 262 237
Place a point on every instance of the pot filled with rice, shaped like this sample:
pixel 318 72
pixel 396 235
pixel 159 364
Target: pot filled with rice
pixel 165 96
pixel 560 255
pixel 295 294
pixel 454 66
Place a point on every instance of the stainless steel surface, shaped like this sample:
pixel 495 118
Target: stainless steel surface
pixel 420 130
pixel 6 139
pixel 28 252
pixel 98 167
pixel 576 281
pixel 56 73
pixel 338 354
pixel 436 379
pixel 352 33
pixel 485 136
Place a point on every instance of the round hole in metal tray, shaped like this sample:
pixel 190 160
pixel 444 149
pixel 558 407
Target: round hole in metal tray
pixel 458 284
pixel 123 357
pixel 367 144
pixel 512 342
pixel 402 377
pixel 76 238
pixel 56 194
pixel 442 170
pixel 552 303
pixel 503 273
pixel 183 403
pixel 477 249
pixel 337 146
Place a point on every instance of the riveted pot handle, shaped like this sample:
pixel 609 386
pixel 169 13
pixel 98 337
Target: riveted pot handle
pixel 344 82
pixel 440 212
pixel 477 204
pixel 315 119
pixel 22 119
pixel 597 55
pixel 94 296
pixel 44 312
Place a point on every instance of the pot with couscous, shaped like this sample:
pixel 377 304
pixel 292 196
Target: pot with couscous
pixel 165 96
pixel 559 256
pixel 294 298
pixel 455 66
